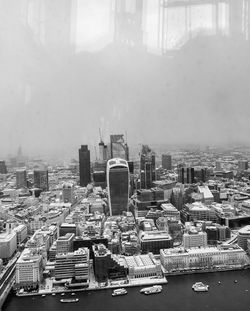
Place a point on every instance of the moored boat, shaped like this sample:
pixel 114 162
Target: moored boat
pixel 200 287
pixel 69 300
pixel 151 290
pixel 119 292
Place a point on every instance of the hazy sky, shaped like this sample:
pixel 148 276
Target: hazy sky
pixel 54 97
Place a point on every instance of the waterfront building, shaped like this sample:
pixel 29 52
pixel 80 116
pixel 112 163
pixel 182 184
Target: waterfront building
pixel 193 238
pixel 68 193
pixel 118 186
pixel 73 265
pixel 3 167
pixel 153 241
pixel 21 178
pixel 224 256
pixel 84 166
pixel 243 236
pixel 107 265
pixel 28 270
pixel 64 244
pixel 143 266
pixel 166 160
pixel 41 179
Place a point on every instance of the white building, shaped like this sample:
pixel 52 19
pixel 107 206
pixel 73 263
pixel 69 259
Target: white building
pixel 28 269
pixel 243 236
pixel 21 233
pixel 8 244
pixel 194 239
pixel 203 258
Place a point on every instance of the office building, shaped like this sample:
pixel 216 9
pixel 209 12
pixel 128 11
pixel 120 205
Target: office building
pixel 147 167
pixel 21 179
pixel 28 270
pixel 194 239
pixel 84 166
pixel 243 236
pixel 21 233
pixel 118 185
pixel 186 175
pixel 197 211
pixel 118 147
pixel 73 265
pixel 153 241
pixel 68 193
pixel 3 168
pixel 41 179
pixel 166 160
pixel 242 165
pixel 8 244
pixel 64 244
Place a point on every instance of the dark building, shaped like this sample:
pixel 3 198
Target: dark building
pixel 166 160
pixel 3 168
pixel 118 186
pixel 99 174
pixel 201 174
pixel 147 167
pixel 21 179
pixel 41 179
pixel 131 167
pixel 83 242
pixel 84 166
pixel 106 266
pixel 67 228
pixel 186 175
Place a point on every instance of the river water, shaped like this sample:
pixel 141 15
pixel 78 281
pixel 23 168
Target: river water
pixel 176 295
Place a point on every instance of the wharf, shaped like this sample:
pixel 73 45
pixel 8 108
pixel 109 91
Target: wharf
pixel 93 287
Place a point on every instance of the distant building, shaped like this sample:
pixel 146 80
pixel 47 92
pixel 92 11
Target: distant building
pixel 68 193
pixel 3 168
pixel 118 147
pixel 84 166
pixel 21 179
pixel 147 167
pixel 243 165
pixel 41 179
pixel 186 175
pixel 166 162
pixel 118 185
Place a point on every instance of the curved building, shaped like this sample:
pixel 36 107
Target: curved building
pixel 118 185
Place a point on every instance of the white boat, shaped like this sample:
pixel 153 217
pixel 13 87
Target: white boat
pixel 69 300
pixel 151 290
pixel 119 292
pixel 200 287
pixel 43 295
pixel 72 294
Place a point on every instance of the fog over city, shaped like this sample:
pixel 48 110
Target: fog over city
pixel 68 70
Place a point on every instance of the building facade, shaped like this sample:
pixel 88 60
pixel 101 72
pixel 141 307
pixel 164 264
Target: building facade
pixel 84 166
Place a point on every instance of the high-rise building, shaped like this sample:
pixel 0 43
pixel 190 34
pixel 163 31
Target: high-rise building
pixel 41 179
pixel 84 165
pixel 243 165
pixel 166 161
pixel 186 175
pixel 118 147
pixel 118 185
pixel 3 168
pixel 21 179
pixel 68 193
pixel 147 167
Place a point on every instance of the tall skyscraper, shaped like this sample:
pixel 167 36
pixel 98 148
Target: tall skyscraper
pixel 41 179
pixel 21 178
pixel 84 166
pixel 3 168
pixel 166 161
pixel 118 147
pixel 242 165
pixel 147 167
pixel 186 175
pixel 118 185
